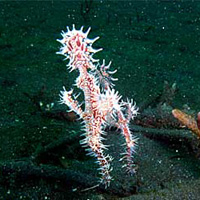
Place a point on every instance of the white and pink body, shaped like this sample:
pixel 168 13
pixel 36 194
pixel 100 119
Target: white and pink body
pixel 102 104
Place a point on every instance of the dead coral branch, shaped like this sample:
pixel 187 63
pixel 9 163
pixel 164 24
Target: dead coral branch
pixel 187 120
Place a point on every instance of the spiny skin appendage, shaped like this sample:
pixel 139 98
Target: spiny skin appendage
pixel 103 104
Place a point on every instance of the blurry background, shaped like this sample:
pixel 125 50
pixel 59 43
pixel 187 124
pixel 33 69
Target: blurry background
pixel 148 42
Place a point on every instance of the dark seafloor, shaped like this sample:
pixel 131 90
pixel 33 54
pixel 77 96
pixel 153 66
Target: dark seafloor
pixel 148 42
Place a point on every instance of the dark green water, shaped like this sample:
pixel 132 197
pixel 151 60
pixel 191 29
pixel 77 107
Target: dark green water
pixel 148 42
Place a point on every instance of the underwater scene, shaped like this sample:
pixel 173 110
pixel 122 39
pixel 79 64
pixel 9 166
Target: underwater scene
pixel 100 100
